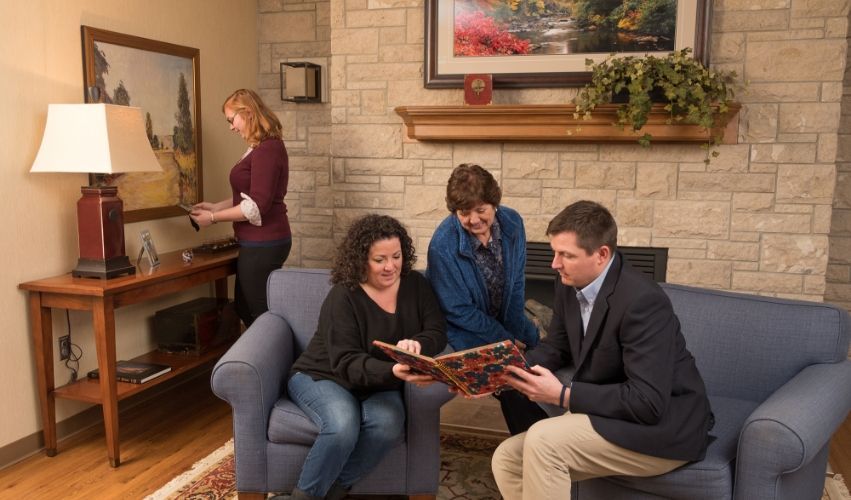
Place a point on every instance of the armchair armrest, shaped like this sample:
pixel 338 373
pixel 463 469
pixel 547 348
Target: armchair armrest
pixel 791 427
pixel 250 377
pixel 422 406
pixel 254 369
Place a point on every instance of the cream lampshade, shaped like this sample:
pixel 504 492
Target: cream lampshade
pixel 99 139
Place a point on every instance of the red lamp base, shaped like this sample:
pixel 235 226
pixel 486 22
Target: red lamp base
pixel 100 227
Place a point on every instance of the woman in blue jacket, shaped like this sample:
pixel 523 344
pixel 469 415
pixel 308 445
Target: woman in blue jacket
pixel 476 260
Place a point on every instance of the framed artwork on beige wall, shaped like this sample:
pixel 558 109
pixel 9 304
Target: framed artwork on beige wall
pixel 530 43
pixel 164 80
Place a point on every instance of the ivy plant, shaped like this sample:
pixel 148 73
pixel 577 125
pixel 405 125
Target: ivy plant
pixel 691 92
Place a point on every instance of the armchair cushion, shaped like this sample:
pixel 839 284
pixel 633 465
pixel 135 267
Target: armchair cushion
pixel 711 478
pixel 296 295
pixel 288 424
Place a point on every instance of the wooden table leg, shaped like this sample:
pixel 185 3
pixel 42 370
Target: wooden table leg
pixel 42 332
pixel 104 331
pixel 222 288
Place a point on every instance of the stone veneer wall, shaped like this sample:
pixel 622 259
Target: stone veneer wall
pixel 291 30
pixel 839 264
pixel 757 219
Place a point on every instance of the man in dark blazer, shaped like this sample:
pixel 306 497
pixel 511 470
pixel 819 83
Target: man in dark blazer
pixel 636 405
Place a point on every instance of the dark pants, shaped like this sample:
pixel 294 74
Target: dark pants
pixel 253 267
pixel 518 411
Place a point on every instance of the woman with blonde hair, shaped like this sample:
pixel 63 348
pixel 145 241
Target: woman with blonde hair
pixel 256 209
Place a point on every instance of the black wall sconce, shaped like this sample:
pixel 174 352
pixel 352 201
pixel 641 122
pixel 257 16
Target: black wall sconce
pixel 301 82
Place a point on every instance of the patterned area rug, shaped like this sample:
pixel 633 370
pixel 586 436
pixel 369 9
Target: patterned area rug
pixel 465 474
pixel 465 466
pixel 212 478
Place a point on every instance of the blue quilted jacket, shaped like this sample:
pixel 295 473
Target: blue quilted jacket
pixel 461 290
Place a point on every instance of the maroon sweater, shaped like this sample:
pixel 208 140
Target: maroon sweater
pixel 263 175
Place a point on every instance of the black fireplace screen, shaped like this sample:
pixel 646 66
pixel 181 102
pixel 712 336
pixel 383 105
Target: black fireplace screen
pixel 539 275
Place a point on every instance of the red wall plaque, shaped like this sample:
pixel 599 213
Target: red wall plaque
pixel 478 89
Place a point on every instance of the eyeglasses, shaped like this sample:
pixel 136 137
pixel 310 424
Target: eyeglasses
pixel 231 118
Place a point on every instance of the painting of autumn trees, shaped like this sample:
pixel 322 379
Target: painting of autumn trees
pixel 524 27
pixel 162 80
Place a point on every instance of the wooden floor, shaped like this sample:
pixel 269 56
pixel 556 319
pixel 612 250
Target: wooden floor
pixel 160 438
pixel 163 437
pixel 840 450
pixel 481 415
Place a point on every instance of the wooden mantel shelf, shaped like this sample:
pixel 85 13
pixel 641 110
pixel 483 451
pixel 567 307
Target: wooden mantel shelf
pixel 547 123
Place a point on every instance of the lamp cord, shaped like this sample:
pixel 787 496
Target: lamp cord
pixel 73 361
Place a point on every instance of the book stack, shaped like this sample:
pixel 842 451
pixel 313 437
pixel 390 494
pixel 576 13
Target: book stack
pixel 135 372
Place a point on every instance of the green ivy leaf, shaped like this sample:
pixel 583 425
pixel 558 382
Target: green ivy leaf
pixel 696 94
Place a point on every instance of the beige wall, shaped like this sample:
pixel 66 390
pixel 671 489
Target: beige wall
pixel 41 63
pixel 757 219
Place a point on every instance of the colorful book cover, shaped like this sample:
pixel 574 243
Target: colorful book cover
pixel 474 371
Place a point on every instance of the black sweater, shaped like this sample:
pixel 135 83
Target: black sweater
pixel 342 350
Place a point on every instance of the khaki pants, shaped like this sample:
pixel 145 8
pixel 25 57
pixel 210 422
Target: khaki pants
pixel 539 464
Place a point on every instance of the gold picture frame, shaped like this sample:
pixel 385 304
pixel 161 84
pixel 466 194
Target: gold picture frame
pixel 164 80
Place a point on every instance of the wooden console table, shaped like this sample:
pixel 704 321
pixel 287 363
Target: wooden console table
pixel 102 297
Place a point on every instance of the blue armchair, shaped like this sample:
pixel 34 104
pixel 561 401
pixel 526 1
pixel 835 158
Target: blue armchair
pixel 271 434
pixel 778 378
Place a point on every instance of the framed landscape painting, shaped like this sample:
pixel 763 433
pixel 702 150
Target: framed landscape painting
pixel 163 80
pixel 544 43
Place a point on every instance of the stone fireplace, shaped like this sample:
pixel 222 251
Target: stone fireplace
pixel 755 219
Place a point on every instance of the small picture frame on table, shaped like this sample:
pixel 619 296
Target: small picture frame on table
pixel 148 248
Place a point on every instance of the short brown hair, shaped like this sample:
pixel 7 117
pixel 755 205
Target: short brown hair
pixel 261 122
pixel 593 224
pixel 349 267
pixel 470 185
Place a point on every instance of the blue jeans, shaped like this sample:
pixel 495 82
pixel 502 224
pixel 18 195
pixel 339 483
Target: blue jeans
pixel 354 435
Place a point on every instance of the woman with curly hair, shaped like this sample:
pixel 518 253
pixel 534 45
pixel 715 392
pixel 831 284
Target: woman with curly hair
pixel 256 207
pixel 348 387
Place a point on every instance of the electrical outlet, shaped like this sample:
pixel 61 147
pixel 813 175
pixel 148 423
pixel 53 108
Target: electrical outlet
pixel 64 347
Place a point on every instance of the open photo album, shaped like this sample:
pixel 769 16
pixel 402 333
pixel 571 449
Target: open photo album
pixel 474 371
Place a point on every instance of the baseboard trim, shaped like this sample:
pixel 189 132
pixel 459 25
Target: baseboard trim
pixel 32 444
pixel 28 446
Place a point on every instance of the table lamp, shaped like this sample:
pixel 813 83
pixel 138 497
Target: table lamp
pixel 98 139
